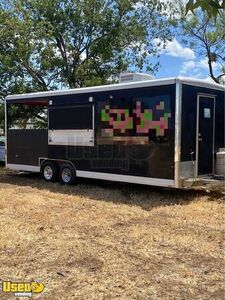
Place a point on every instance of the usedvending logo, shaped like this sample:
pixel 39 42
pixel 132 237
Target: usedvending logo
pixel 22 289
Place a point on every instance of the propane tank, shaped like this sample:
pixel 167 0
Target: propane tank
pixel 220 162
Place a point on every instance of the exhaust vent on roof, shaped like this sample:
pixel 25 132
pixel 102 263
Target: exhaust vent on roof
pixel 131 77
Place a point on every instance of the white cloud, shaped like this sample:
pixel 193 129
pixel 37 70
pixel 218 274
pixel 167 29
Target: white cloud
pixel 192 68
pixel 196 68
pixel 174 48
pixel 187 66
pixel 203 63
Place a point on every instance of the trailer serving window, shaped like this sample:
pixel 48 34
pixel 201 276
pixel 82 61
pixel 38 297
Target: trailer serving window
pixel 71 117
pixel 71 125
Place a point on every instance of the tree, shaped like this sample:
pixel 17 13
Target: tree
pixel 51 44
pixel 212 7
pixel 205 34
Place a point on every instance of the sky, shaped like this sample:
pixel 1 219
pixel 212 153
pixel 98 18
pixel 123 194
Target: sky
pixel 178 60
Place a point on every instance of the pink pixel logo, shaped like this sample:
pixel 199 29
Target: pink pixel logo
pixel 121 121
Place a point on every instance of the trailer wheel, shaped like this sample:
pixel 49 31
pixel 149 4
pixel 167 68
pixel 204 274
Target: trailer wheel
pixel 50 171
pixel 67 174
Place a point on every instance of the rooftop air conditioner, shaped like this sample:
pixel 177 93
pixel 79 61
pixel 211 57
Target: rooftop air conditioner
pixel 132 77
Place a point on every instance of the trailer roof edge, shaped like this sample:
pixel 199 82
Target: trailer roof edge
pixel 201 83
pixel 118 86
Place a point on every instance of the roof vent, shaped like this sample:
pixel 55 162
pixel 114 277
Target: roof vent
pixel 132 77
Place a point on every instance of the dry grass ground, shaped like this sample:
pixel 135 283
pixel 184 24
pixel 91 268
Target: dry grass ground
pixel 109 241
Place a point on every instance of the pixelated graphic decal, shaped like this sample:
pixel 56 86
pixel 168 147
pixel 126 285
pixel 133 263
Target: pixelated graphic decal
pixel 125 125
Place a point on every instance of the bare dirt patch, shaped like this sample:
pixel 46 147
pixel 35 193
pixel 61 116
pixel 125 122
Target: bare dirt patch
pixel 97 240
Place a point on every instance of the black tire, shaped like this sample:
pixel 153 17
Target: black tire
pixel 50 171
pixel 67 174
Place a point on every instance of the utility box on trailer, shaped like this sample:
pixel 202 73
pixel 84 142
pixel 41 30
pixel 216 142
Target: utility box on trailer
pixel 154 132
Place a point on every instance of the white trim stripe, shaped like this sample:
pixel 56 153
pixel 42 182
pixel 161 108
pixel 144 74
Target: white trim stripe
pixel 28 168
pixel 126 178
pixel 104 176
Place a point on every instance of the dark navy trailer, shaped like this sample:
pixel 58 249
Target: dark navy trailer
pixel 155 132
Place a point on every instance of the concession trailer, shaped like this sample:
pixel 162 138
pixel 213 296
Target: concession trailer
pixel 159 132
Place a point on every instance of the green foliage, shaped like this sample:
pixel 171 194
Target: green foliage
pixel 27 116
pixel 206 35
pixel 53 44
pixel 49 44
pixel 211 7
